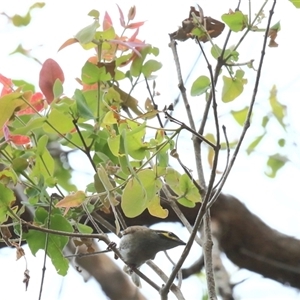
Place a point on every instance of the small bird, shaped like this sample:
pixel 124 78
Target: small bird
pixel 139 244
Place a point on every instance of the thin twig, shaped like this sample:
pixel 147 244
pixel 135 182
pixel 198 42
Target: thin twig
pixel 248 118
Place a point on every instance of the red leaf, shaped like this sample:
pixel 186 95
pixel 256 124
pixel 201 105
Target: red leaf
pixel 122 21
pixel 107 22
pixel 68 43
pixel 49 73
pixel 15 138
pixel 37 101
pixel 135 25
pixel 19 139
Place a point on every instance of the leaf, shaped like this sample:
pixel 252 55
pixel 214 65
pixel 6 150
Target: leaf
pixel 72 200
pixel 135 25
pixel 82 106
pixel 150 66
pixel 55 119
pixel 232 88
pixel 57 89
pixel 278 109
pixel 7 199
pixel 94 13
pixel 122 20
pixel 87 34
pixel 188 189
pixel 50 72
pixel 44 164
pixel 26 86
pixel 137 64
pixel 36 240
pixel 296 3
pixel 138 192
pixel 31 125
pixel 156 210
pixel 91 73
pixel 230 54
pixel 200 86
pixel 67 43
pixel 172 178
pixel 236 21
pixel 254 143
pixel 275 163
pixel 272 34
pixel 240 115
pixel 8 105
pixel 128 100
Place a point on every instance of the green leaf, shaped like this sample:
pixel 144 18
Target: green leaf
pixel 107 34
pixel 150 66
pixel 216 52
pixel 135 146
pixel 137 64
pixel 44 164
pixel 36 240
pixel 265 120
pixel 188 189
pixel 87 34
pixel 82 106
pixel 200 86
pixel 232 88
pixel 19 164
pixel 26 86
pixel 275 163
pixel 240 115
pixel 94 13
pixel 236 21
pixel 31 125
pixel 281 142
pixel 62 122
pixel 278 109
pixel 7 199
pixel 91 74
pixel 114 144
pixel 8 104
pixel 254 143
pixel 84 228
pixel 296 3
pixel 138 192
pixel 172 178
pixel 57 88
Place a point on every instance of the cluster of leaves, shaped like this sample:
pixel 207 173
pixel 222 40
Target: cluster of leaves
pixel 92 122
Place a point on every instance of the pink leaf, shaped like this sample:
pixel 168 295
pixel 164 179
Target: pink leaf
pixel 49 73
pixel 135 25
pixel 107 22
pixel 122 20
pixel 133 37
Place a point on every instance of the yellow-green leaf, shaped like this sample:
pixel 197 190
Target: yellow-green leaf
pixel 200 86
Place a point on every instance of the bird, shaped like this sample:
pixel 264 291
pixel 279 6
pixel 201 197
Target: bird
pixel 139 244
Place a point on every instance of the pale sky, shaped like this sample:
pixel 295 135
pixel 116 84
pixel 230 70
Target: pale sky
pixel 273 200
